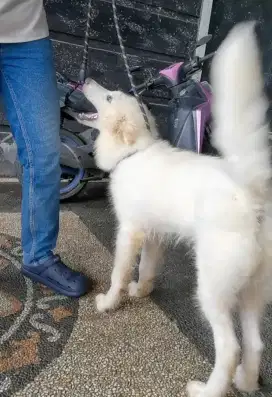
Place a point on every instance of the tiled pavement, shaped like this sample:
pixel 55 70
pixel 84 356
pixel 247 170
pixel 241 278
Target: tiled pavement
pixel 147 348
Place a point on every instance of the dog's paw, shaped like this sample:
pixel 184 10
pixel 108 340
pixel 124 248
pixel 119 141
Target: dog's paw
pixel 137 290
pixel 102 303
pixel 243 382
pixel 134 290
pixel 196 389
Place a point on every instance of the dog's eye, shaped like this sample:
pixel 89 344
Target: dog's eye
pixel 109 98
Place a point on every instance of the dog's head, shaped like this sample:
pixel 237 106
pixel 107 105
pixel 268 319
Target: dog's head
pixel 120 122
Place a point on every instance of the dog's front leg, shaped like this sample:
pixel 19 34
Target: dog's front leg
pixel 129 242
pixel 150 259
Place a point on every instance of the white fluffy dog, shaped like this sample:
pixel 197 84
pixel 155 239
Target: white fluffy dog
pixel 220 204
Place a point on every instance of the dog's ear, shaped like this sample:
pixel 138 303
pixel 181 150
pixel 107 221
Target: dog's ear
pixel 125 131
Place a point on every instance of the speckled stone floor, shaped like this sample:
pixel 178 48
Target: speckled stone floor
pixel 136 351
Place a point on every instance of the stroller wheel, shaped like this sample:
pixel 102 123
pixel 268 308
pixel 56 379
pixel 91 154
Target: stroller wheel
pixel 71 184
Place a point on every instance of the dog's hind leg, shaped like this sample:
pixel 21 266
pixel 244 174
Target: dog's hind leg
pixel 150 258
pixel 128 243
pixel 226 347
pixel 251 310
pixel 222 262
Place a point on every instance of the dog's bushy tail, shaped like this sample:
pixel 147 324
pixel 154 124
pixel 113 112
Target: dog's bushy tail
pixel 239 109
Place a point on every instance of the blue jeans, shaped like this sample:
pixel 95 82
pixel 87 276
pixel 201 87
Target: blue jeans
pixel 31 101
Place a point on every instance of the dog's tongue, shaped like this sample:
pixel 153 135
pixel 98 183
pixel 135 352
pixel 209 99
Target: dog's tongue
pixel 87 116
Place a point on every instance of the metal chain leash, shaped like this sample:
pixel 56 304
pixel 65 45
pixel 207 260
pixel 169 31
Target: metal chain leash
pixel 83 67
pixel 125 59
pixel 82 72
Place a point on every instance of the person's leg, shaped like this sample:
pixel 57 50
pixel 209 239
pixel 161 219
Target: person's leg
pixel 31 103
pixel 32 106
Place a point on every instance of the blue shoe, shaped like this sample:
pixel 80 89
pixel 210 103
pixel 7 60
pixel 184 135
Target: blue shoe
pixel 57 276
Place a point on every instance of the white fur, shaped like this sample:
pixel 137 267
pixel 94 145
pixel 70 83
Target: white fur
pixel 220 204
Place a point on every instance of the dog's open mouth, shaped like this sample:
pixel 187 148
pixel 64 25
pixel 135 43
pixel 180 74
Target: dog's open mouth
pixel 89 116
